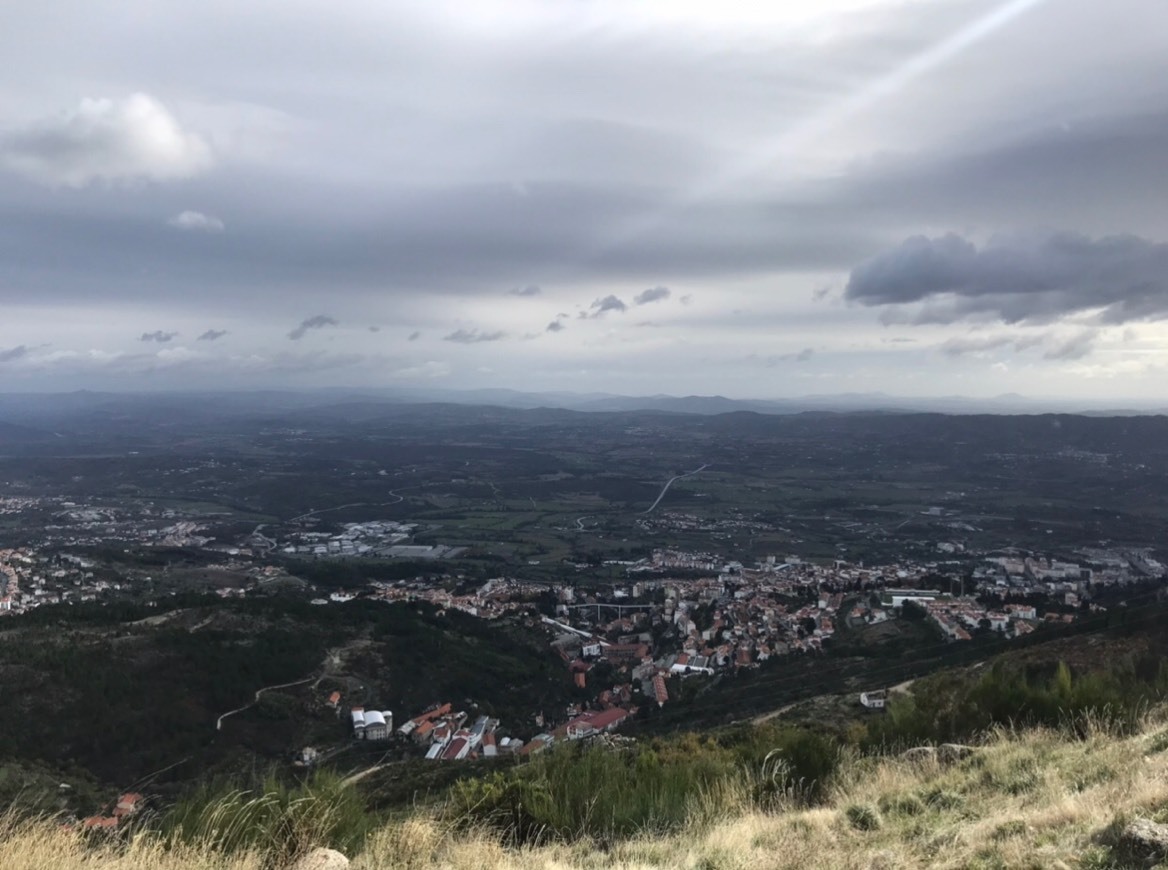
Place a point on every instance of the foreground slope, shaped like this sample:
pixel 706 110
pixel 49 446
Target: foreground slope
pixel 1037 799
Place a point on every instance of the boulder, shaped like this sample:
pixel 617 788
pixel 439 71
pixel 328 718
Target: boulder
pixel 919 754
pixel 947 753
pixel 320 859
pixel 1143 841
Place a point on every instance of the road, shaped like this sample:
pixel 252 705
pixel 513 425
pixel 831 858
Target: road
pixel 670 482
pixel 219 721
pixel 392 492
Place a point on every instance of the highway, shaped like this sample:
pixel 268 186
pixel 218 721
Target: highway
pixel 669 483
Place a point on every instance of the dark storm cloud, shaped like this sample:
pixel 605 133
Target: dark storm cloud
pixel 158 335
pixel 529 290
pixel 318 321
pixel 473 336
pixel 554 326
pixel 600 307
pixel 653 294
pixel 212 335
pixel 1123 278
pixel 13 353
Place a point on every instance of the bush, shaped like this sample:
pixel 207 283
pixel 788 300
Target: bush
pixel 902 805
pixel 863 817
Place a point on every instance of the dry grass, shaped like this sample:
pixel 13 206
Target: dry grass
pixel 1031 800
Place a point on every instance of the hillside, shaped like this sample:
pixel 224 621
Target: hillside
pixel 103 697
pixel 1034 799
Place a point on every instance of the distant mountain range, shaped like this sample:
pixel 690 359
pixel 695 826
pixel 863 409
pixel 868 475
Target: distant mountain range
pixel 43 409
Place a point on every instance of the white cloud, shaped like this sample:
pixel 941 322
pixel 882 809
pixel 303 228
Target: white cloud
pixel 197 222
pixel 135 139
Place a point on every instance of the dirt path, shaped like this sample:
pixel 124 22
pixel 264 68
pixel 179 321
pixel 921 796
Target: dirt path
pixel 219 721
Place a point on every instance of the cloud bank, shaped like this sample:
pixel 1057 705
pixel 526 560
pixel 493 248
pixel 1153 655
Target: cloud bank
pixel 1115 279
pixel 135 139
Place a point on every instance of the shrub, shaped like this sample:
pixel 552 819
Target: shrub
pixel 863 817
pixel 902 805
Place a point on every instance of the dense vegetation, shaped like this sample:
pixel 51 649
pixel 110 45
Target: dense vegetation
pixel 116 693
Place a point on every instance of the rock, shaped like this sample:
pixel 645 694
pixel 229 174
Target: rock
pixel 919 754
pixel 1144 841
pixel 320 859
pixel 947 753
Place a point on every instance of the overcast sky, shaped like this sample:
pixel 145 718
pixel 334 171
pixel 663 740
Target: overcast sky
pixel 921 197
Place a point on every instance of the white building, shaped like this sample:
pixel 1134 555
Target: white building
pixel 873 700
pixel 378 724
pixel 359 722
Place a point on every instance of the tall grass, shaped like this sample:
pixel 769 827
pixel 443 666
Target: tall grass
pixel 280 820
pixel 1036 798
pixel 574 791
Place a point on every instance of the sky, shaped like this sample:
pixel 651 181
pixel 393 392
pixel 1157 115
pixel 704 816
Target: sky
pixel 752 199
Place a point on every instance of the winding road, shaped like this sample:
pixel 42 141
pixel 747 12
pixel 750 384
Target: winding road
pixel 670 482
pixel 219 721
pixel 393 492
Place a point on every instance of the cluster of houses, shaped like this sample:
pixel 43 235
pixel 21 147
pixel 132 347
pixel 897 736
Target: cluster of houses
pixel 495 598
pixel 126 805
pixel 29 579
pixel 357 539
pixel 451 736
pixel 958 616
pixel 591 723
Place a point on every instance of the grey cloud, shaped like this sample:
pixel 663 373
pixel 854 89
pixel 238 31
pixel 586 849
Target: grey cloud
pixel 653 294
pixel 529 290
pixel 13 353
pixel 965 345
pixel 319 321
pixel 1111 167
pixel 1076 347
pixel 473 336
pixel 775 359
pixel 554 326
pixel 158 335
pixel 686 299
pixel 374 328
pixel 1017 280
pixel 414 336
pixel 110 140
pixel 212 335
pixel 446 241
pixel 600 307
pixel 799 356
